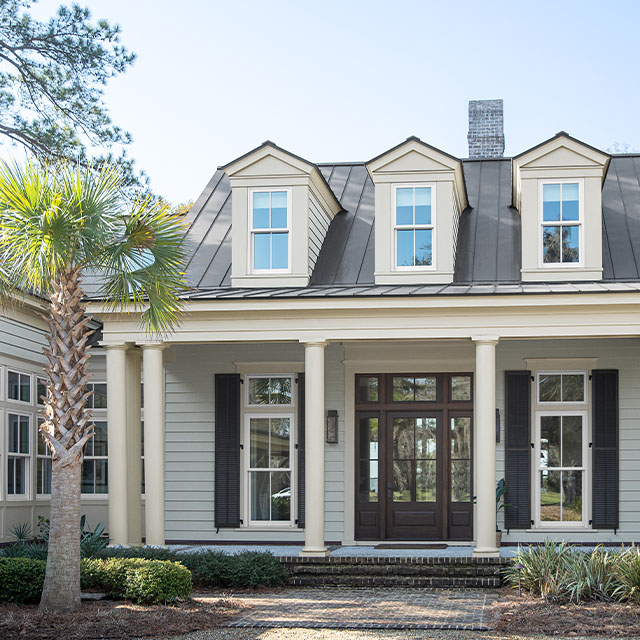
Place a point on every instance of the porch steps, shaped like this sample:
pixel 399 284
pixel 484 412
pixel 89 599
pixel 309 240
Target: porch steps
pixel 385 571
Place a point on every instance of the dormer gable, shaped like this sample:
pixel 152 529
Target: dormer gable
pixel 419 196
pixel 557 188
pixel 281 209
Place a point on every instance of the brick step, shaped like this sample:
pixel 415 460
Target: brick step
pixel 441 582
pixel 399 569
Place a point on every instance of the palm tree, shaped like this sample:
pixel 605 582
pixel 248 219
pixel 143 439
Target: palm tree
pixel 59 225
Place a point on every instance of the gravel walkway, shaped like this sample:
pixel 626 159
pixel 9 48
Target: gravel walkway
pixel 332 634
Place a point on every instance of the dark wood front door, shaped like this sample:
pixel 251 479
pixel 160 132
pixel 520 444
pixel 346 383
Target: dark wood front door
pixel 414 457
pixel 413 451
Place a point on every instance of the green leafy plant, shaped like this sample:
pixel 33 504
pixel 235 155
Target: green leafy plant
pixel 140 580
pixel 92 541
pixel 21 532
pixel 21 580
pixel 501 490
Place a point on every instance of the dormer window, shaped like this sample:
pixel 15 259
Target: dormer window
pixel 413 227
pixel 270 218
pixel 561 222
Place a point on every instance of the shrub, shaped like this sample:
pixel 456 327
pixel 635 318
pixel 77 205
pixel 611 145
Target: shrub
pixel 32 550
pixel 148 553
pixel 253 569
pixel 21 580
pixel 208 568
pixel 158 582
pixel 143 581
pixel 563 573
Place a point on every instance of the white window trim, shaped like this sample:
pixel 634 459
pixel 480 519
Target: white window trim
pixel 39 456
pixel 579 223
pixel 395 227
pixel 37 399
pixel 20 497
pixel 22 373
pixel 264 407
pixel 586 487
pixel 253 232
pixel 271 524
pixel 101 417
pixel 562 403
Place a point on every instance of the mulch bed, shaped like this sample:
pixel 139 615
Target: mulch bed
pixel 514 614
pixel 117 620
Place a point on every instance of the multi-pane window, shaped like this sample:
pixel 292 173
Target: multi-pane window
pixel 41 390
pixel 270 230
pixel 460 459
pixel 18 386
pixel 43 464
pixel 269 448
pixel 95 464
pixel 561 448
pixel 413 227
pixel 99 398
pixel 270 457
pixel 269 390
pixel 18 454
pixel 414 389
pixel 369 440
pixel 561 223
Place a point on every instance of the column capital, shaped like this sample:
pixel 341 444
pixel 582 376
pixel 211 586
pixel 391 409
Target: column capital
pixel 490 339
pixel 318 342
pixel 153 345
pixel 122 346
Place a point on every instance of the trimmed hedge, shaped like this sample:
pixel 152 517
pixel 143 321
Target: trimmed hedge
pixel 245 570
pixel 137 579
pixel 143 581
pixel 21 580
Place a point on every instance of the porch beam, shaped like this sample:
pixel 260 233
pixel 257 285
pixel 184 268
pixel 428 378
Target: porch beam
pixel 154 439
pixel 314 445
pixel 117 438
pixel 485 445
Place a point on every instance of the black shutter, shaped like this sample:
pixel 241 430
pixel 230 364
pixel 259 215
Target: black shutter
pixel 605 449
pixel 517 514
pixel 301 434
pixel 227 447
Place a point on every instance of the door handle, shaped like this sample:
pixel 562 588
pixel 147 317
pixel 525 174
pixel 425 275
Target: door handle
pixel 389 489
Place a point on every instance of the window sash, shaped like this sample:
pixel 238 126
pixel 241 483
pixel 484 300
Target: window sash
pixel 415 226
pixel 247 385
pixel 561 224
pixel 291 468
pixel 270 231
pixel 583 469
pixel 541 373
pixel 22 378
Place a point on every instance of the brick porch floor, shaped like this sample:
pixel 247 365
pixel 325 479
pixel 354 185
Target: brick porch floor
pixel 362 608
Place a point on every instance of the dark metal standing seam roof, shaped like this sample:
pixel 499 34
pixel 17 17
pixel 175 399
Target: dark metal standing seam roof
pixel 488 255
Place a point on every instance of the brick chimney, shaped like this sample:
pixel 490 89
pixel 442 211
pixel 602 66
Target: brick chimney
pixel 486 129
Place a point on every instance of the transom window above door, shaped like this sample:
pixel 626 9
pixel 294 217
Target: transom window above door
pixel 270 227
pixel 555 387
pixel 269 390
pixel 413 227
pixel 561 223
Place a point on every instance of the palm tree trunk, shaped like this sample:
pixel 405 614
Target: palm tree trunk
pixel 67 430
pixel 61 590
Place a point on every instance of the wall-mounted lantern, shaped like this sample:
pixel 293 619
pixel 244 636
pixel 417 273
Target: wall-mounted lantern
pixel 332 426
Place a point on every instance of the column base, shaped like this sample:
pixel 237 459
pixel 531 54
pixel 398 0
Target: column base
pixel 486 552
pixel 314 552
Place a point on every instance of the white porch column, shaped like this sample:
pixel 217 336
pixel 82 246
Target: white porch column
pixel 117 438
pixel 485 445
pixel 134 463
pixel 154 436
pixel 314 447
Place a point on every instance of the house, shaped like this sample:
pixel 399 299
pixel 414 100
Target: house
pixel 368 347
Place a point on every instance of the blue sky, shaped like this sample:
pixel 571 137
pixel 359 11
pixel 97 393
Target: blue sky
pixel 345 80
